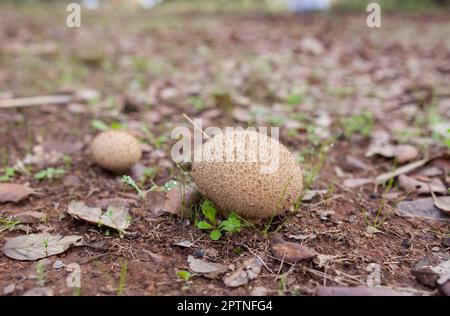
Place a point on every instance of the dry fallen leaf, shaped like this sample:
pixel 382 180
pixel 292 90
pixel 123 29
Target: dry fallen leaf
pixel 38 246
pixel 10 192
pixel 410 184
pixel 30 217
pixel 405 153
pixel 291 252
pixel 180 199
pixel 422 208
pixel 208 269
pixel 442 203
pixel 116 216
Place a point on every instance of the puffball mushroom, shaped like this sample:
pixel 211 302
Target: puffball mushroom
pixel 247 185
pixel 115 151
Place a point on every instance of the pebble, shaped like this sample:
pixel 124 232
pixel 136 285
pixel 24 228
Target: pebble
pixel 58 264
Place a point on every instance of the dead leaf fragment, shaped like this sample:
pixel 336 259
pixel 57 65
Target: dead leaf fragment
pixel 10 192
pixel 30 217
pixel 207 269
pixel 410 184
pixel 39 291
pixel 405 153
pixel 180 199
pixel 116 216
pixel 422 208
pixel 291 252
pixel 38 246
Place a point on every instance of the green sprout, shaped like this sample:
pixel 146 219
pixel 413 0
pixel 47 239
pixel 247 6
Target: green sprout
pixel 129 181
pixel 49 173
pixel 231 224
pixel 8 174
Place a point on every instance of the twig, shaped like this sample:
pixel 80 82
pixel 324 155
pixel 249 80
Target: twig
pixel 34 101
pixel 196 126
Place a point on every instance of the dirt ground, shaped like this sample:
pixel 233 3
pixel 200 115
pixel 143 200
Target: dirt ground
pixel 229 69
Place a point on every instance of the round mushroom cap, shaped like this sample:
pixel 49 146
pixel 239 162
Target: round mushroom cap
pixel 115 151
pixel 248 173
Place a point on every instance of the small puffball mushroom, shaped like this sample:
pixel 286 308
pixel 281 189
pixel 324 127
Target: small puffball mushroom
pixel 253 181
pixel 115 151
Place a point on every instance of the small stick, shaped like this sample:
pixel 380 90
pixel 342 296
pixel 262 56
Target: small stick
pixel 195 126
pixel 34 101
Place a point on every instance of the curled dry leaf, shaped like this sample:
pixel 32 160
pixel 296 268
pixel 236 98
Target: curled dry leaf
pixel 248 270
pixel 38 246
pixel 410 184
pixel 443 204
pixel 116 216
pixel 208 269
pixel 291 252
pixel 10 192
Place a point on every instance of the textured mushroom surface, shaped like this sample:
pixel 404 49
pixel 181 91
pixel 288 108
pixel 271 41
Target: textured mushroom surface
pixel 115 151
pixel 248 173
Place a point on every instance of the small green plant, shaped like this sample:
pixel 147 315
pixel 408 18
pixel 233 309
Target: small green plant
pixel 149 173
pixel 184 275
pixel 102 126
pixel 67 161
pixel 294 98
pixel 197 103
pixel 8 174
pixel 169 185
pixel 7 224
pixel 129 181
pixel 358 124
pixel 122 278
pixel 49 173
pixel 161 140
pixel 230 225
pixel 40 274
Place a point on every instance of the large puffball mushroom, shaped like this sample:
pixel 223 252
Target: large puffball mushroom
pixel 248 173
pixel 115 151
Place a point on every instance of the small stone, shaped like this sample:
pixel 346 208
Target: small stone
pixel 9 289
pixel 58 264
pixel 199 253
pixel 435 249
pixel 259 291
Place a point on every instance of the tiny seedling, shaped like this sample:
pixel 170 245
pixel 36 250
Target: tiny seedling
pixel 231 224
pixel 149 173
pixel 49 173
pixel 8 174
pixel 7 224
pixel 169 185
pixel 129 181
pixel 67 161
pixel 103 127
pixel 184 275
pixel 358 124
pixel 122 278
pixel 294 98
pixel 197 103
pixel 40 273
